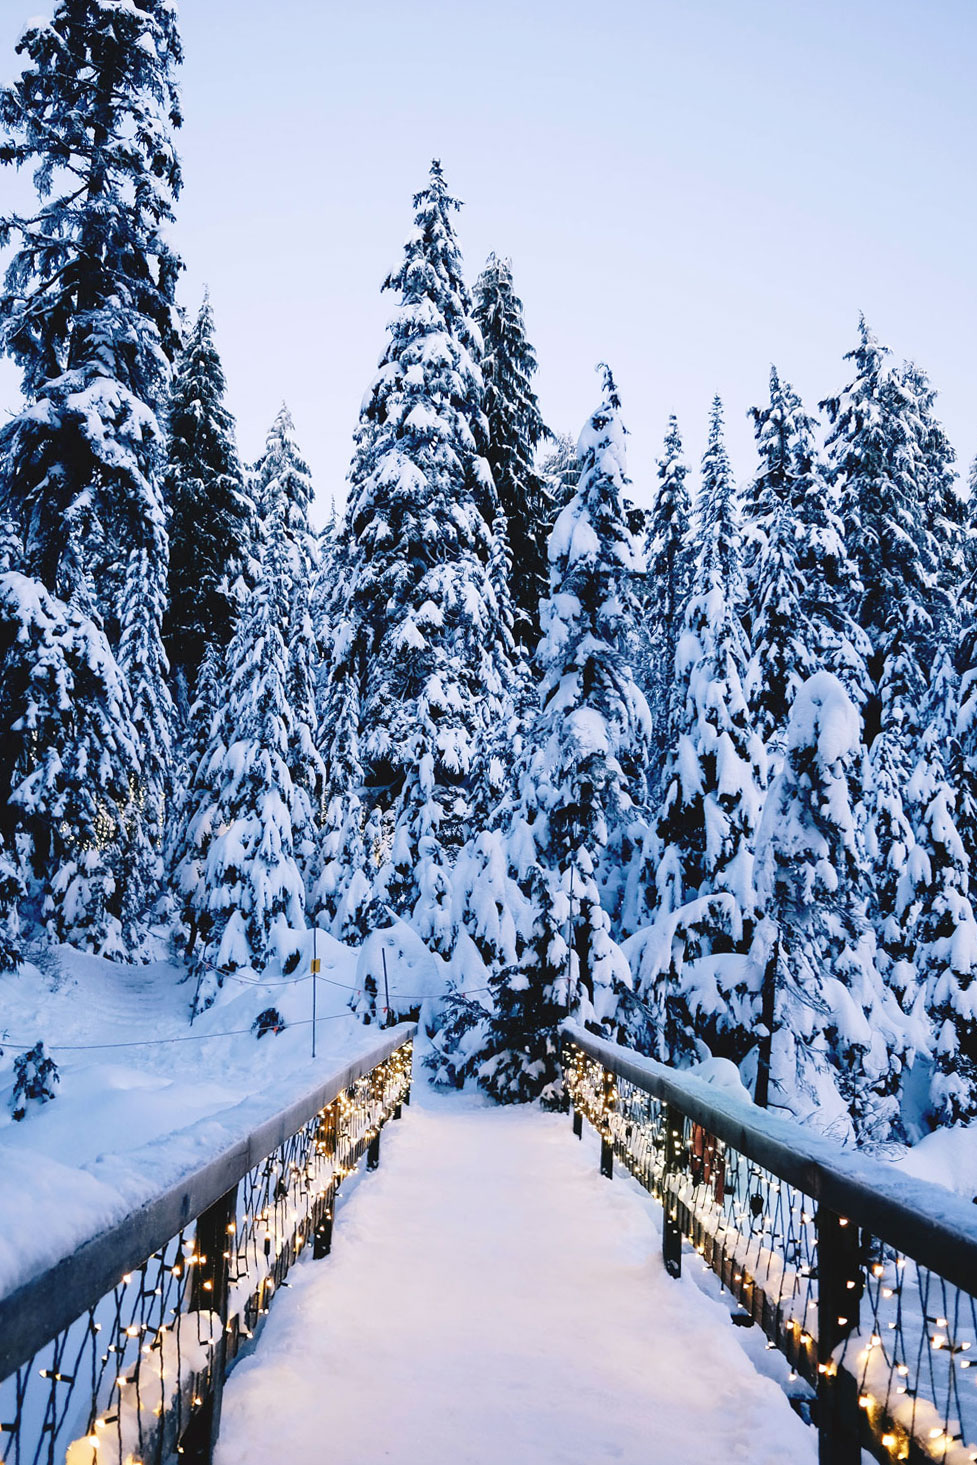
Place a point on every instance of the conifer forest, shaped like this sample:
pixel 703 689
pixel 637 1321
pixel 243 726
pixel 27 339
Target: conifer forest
pixel 686 757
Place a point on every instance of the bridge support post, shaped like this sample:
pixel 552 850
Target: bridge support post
pixel 840 1286
pixel 373 1153
pixel 578 1123
pixel 671 1229
pixel 213 1241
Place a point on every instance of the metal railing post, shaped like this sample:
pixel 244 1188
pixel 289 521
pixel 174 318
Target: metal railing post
pixel 671 1226
pixel 322 1231
pixel 213 1239
pixel 606 1140
pixel 840 1286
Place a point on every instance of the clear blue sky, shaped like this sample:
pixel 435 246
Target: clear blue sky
pixel 688 189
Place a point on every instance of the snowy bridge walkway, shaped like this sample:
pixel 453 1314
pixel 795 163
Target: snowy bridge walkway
pixel 489 1298
pixel 492 1300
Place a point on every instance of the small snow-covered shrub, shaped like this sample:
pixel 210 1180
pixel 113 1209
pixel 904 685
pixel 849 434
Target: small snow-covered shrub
pixel 269 1021
pixel 35 1075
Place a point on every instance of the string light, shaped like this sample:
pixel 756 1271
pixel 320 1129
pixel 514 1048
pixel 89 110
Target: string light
pixel 293 1187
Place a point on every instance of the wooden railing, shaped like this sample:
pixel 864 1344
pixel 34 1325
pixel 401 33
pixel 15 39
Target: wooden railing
pixel 865 1279
pixel 119 1352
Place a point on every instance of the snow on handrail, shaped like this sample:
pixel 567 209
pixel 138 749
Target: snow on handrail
pixel 918 1217
pixel 45 1304
pixel 865 1279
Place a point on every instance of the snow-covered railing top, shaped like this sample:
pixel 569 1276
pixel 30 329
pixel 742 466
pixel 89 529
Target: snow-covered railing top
pixel 43 1306
pixel 937 1228
pixel 865 1279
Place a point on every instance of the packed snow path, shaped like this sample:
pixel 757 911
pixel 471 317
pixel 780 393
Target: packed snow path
pixel 491 1300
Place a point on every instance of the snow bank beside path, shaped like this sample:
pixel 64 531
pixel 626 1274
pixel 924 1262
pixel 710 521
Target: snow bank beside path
pixel 131 1119
pixel 946 1157
pixel 490 1299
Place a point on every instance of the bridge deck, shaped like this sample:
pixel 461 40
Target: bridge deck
pixel 490 1300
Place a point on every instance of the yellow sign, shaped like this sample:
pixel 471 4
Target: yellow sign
pixel 316 964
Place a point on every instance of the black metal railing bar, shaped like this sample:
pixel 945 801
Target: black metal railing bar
pixel 46 1303
pixel 119 1351
pixel 865 1279
pixel 938 1227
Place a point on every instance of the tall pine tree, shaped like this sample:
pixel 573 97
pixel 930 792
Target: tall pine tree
pixel 88 310
pixel 249 894
pixel 281 473
pixel 211 516
pixel 422 642
pixel 829 1027
pixel 142 661
pixel 889 498
pixel 69 763
pixel 534 909
pixel 668 576
pixel 515 429
pixel 713 784
pixel 797 569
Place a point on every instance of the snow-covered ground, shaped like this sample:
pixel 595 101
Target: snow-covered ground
pixel 505 1302
pixel 145 1097
pixel 490 1299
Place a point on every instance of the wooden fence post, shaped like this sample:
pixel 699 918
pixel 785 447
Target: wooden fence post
pixel 671 1230
pixel 209 1292
pixel 373 1152
pixel 841 1282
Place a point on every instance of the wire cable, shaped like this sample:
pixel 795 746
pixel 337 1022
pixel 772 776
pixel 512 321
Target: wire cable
pixel 301 1022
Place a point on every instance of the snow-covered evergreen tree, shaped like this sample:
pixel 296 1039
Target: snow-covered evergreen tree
pixel 782 656
pixel 560 471
pixel 12 892
pixel 421 642
pixel 515 429
pixel 197 789
pixel 890 494
pixel 281 474
pixel 798 572
pixel 713 783
pixel 210 514
pixel 534 909
pixel 348 859
pixel 282 469
pixel 69 763
pixel 349 856
pixel 594 720
pixel 668 574
pixel 948 511
pixel 87 310
pixel 142 662
pixel 716 772
pixel 935 905
pixel 831 1026
pixel 250 893
pixel 882 463
pixel 305 765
